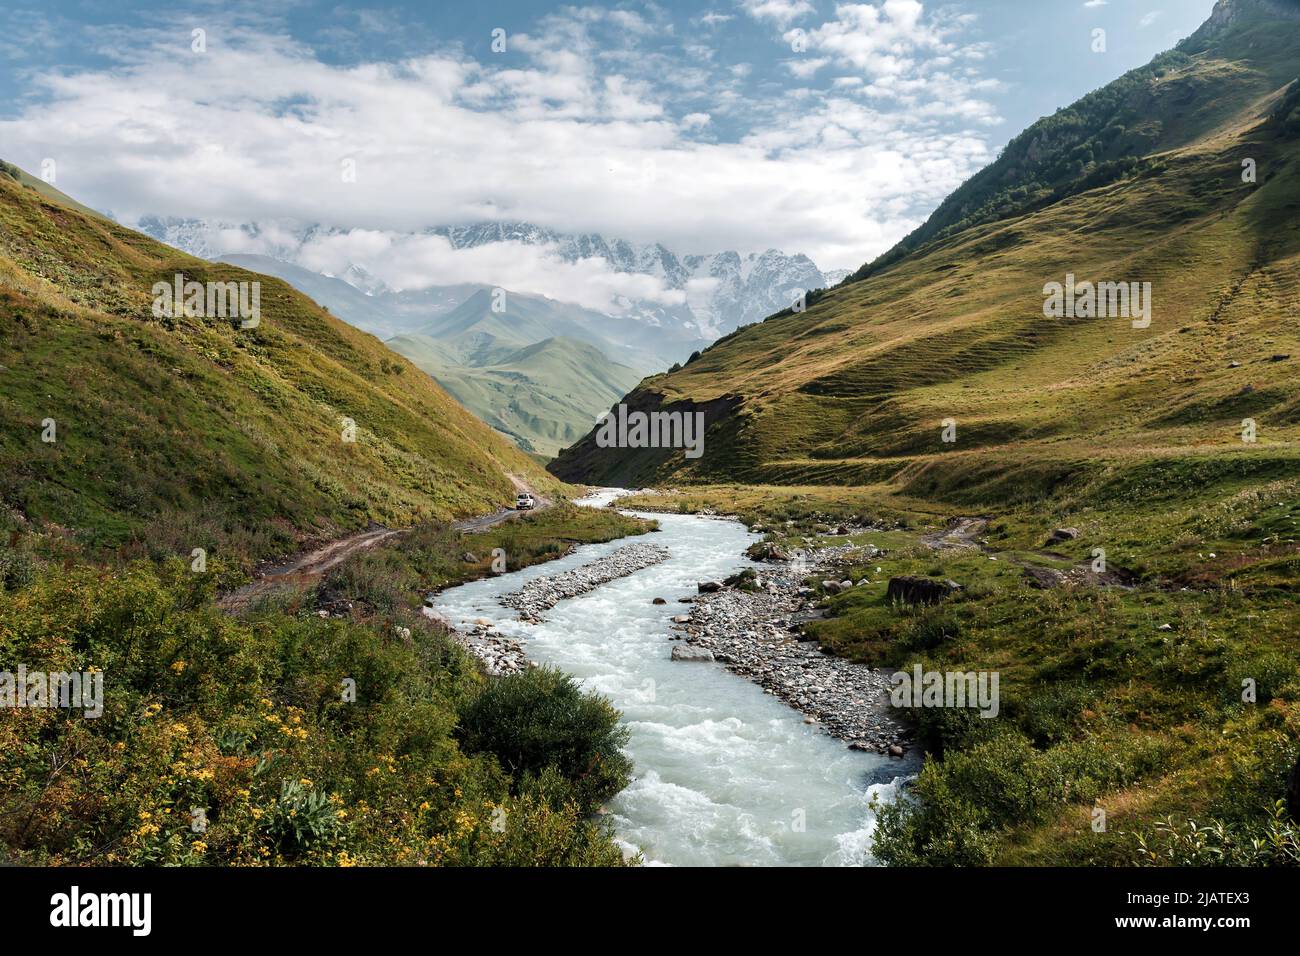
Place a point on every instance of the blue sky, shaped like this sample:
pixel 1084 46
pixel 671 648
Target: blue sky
pixel 821 127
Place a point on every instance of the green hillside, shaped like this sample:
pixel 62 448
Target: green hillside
pixel 854 391
pixel 534 369
pixel 175 433
pixel 543 396
pixel 487 327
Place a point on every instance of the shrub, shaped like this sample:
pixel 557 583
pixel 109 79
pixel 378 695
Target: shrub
pixel 541 718
pixel 1274 841
pixel 302 820
pixel 965 802
pixel 948 832
pixel 244 720
pixel 17 569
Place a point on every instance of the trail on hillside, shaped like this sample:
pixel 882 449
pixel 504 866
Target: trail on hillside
pixel 307 566
pixel 962 534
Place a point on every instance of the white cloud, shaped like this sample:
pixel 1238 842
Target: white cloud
pixel 414 262
pixel 878 40
pixel 1149 19
pixel 804 68
pixel 781 12
pixel 570 133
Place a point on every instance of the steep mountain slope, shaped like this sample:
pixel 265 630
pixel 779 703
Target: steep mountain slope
pixel 950 328
pixel 195 432
pixel 541 399
pixel 1244 51
pixel 544 396
pixel 380 312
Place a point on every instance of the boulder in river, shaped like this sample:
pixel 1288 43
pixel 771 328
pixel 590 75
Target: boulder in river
pixel 767 551
pixel 708 587
pixel 689 652
pixel 746 580
pixel 915 590
pixel 658 601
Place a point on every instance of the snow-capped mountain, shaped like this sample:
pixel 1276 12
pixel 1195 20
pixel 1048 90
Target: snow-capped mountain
pixel 721 290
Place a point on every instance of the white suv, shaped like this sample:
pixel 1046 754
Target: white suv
pixel 525 502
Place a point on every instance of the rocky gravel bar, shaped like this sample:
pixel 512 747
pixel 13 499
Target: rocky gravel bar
pixel 500 655
pixel 757 634
pixel 542 594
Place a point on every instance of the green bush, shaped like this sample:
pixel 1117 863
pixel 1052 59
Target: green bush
pixel 1272 672
pixel 17 569
pixel 541 718
pixel 947 831
pixel 1275 841
pixel 960 806
pixel 301 820
pixel 246 720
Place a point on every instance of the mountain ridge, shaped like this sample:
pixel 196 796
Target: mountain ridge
pixel 744 288
pixel 854 389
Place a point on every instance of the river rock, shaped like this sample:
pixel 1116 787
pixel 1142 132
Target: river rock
pixel 658 601
pixel 914 590
pixel 542 594
pixel 744 579
pixel 690 652
pixel 1044 577
pixel 756 634
pixel 709 587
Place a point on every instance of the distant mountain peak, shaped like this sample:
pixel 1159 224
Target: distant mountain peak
pixel 723 290
pixel 1229 15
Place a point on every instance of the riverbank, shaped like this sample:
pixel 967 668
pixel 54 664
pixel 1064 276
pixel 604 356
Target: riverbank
pixel 757 631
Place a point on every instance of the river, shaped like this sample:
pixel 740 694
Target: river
pixel 726 775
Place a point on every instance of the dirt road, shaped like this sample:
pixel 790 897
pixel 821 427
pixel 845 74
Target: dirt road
pixel 307 566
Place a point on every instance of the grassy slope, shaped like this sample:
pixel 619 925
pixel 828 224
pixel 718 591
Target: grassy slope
pixel 191 432
pixel 544 396
pixel 854 390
